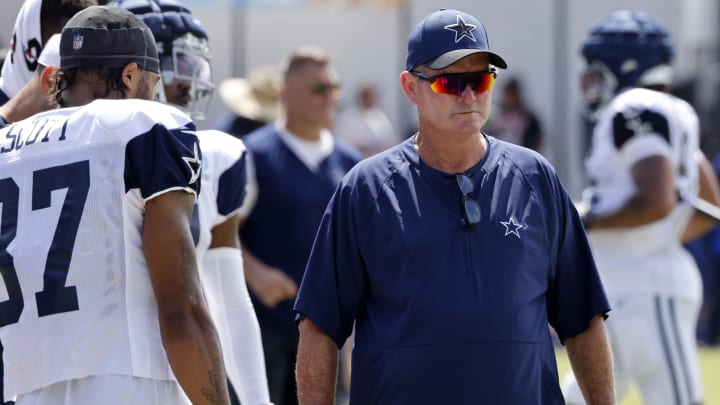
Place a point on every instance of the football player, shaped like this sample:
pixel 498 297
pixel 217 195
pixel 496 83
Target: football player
pixel 187 82
pixel 104 303
pixel 647 171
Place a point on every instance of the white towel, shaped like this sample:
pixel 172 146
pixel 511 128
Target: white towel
pixel 25 48
pixel 50 55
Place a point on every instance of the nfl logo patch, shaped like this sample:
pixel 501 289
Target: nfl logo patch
pixel 77 42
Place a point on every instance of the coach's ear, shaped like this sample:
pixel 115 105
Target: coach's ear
pixel 409 86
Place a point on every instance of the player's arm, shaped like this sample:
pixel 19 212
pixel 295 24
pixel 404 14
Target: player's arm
pixel 709 191
pixel 591 361
pixel 316 365
pixel 271 285
pixel 187 331
pixel 654 199
pixel 234 315
pixel 30 100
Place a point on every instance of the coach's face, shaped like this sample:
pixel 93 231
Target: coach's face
pixel 460 114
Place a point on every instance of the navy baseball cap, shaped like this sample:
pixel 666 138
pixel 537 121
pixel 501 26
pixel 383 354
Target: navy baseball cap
pixel 104 36
pixel 446 36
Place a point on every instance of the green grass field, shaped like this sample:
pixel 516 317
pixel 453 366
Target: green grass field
pixel 709 362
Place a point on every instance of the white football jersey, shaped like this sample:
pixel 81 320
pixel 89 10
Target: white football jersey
pixel 224 179
pixel 637 124
pixel 77 298
pixel 226 169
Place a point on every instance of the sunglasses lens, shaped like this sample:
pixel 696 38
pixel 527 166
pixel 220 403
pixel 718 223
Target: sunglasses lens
pixel 465 184
pixel 324 88
pixel 455 84
pixel 487 81
pixel 470 206
pixel 472 211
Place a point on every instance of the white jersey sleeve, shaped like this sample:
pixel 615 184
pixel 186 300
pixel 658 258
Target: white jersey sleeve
pixel 637 124
pixel 224 182
pixel 76 295
pixel 221 269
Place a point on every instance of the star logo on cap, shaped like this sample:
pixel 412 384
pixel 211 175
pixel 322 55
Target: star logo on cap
pixel 462 29
pixel 195 165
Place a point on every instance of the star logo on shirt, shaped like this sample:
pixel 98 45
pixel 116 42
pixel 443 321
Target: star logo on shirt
pixel 512 227
pixel 462 29
pixel 195 165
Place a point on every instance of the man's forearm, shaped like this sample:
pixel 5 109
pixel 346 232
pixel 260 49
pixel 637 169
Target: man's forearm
pixel 591 360
pixel 316 366
pixel 194 353
pixel 188 334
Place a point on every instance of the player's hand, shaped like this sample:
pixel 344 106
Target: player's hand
pixel 272 286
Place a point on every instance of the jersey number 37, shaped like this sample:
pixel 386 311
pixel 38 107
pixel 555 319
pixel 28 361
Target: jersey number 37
pixel 55 297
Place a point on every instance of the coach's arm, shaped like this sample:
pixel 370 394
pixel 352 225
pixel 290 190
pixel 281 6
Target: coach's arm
pixel 591 361
pixel 316 365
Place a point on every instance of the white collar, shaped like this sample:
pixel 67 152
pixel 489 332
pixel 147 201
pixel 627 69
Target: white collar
pixel 312 153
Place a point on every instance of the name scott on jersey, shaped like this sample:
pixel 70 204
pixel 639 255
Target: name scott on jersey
pixel 25 134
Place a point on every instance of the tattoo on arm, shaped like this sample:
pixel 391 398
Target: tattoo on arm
pixel 214 377
pixel 188 269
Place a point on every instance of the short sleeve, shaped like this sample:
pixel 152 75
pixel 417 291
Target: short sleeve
pixel 232 187
pixel 162 160
pixel 576 293
pixel 640 134
pixel 334 283
pixel 643 147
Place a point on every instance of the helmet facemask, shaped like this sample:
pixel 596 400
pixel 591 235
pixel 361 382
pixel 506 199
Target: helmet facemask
pixel 187 72
pixel 598 85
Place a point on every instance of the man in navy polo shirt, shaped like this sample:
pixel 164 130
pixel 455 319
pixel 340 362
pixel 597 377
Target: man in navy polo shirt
pixel 451 253
pixel 298 165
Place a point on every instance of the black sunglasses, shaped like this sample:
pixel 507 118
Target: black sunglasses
pixel 471 208
pixel 325 88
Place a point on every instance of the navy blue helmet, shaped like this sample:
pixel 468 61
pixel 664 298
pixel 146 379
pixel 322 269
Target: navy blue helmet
pixel 184 52
pixel 626 49
pixel 168 20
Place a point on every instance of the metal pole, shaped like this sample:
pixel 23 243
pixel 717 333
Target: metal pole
pixel 567 146
pixel 239 33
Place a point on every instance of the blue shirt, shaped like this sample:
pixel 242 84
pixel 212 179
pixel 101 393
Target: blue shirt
pixel 3 98
pixel 291 201
pixel 446 314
